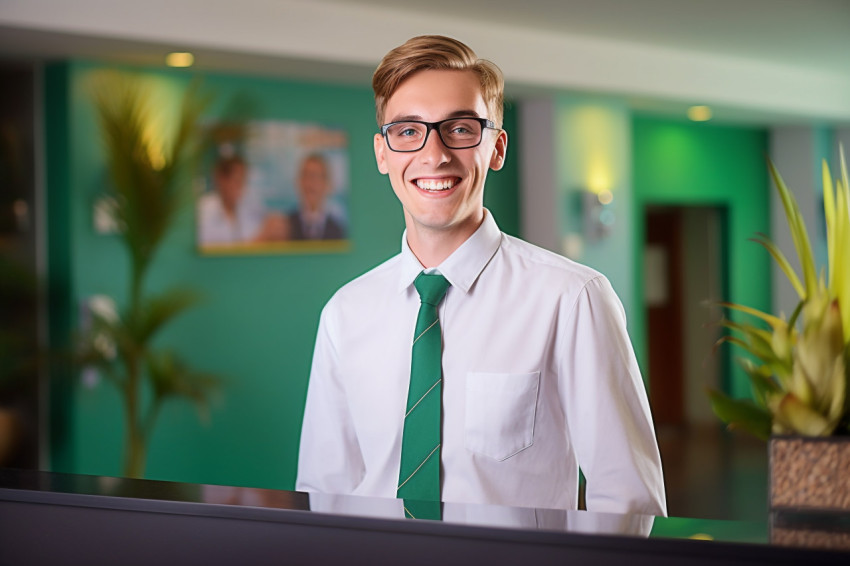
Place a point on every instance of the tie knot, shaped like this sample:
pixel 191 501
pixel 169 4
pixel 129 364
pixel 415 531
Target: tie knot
pixel 431 287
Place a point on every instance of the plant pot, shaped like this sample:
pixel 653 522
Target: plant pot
pixel 809 473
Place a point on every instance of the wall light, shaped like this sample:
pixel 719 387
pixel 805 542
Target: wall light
pixel 179 59
pixel 699 113
pixel 597 214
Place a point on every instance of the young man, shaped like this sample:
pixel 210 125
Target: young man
pixel 536 376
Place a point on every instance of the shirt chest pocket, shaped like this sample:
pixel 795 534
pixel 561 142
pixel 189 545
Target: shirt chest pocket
pixel 500 410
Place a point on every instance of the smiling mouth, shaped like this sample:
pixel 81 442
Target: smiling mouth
pixel 436 185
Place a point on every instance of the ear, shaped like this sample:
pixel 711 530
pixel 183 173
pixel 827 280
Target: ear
pixel 497 161
pixel 380 154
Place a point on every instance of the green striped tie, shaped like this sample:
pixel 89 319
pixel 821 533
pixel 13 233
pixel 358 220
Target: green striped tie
pixel 419 475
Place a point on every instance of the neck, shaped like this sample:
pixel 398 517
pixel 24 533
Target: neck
pixel 229 211
pixel 432 246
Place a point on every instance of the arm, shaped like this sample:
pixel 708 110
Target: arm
pixel 329 458
pixel 607 410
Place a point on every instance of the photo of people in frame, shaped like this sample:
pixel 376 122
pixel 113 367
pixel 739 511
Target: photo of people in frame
pixel 280 187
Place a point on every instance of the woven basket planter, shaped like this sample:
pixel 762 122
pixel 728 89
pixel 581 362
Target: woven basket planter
pixel 810 473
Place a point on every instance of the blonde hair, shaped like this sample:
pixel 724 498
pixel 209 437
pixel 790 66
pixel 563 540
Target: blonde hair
pixel 436 52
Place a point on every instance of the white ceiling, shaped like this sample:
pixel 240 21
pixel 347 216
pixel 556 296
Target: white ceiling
pixel 808 33
pixel 768 61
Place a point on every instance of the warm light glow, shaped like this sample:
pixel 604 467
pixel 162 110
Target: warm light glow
pixel 699 113
pixel 593 130
pixel 598 176
pixel 605 197
pixel 179 59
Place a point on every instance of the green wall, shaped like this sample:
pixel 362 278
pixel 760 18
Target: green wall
pixel 700 164
pixel 260 316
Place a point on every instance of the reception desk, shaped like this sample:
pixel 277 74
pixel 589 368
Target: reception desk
pixel 50 518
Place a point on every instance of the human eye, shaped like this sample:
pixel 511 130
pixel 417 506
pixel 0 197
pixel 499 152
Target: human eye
pixel 405 130
pixel 462 128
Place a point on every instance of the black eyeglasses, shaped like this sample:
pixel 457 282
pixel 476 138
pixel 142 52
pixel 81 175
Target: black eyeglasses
pixel 455 133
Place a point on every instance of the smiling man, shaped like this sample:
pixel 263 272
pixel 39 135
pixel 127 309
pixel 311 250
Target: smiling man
pixel 471 367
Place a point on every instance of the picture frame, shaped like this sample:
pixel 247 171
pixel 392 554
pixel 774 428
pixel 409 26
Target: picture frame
pixel 271 187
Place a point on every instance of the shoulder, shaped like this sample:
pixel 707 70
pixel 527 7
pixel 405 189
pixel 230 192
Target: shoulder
pixel 551 277
pixel 543 265
pixel 376 283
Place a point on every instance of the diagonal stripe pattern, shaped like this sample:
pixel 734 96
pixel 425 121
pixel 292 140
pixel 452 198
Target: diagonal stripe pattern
pixel 419 474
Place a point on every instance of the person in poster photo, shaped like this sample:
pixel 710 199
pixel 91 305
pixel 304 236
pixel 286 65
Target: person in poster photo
pixel 313 220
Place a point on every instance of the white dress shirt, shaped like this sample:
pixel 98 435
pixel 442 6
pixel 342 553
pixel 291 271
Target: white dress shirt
pixel 539 377
pixel 216 227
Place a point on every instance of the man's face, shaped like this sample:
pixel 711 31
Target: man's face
pixel 440 189
pixel 313 184
pixel 231 185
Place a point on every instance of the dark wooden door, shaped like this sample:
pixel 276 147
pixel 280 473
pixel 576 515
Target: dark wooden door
pixel 665 315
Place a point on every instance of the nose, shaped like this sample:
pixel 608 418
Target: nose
pixel 434 151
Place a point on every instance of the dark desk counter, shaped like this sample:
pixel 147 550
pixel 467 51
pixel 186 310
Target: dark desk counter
pixel 73 519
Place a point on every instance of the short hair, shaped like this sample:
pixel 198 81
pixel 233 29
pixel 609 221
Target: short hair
pixel 318 158
pixel 436 52
pixel 226 165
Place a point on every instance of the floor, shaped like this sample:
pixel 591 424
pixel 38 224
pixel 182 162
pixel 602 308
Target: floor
pixel 714 474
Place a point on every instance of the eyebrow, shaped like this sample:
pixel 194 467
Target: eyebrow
pixel 417 117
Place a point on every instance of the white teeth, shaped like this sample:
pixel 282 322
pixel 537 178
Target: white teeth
pixel 435 185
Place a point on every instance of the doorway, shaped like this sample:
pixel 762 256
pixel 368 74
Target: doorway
pixel 684 276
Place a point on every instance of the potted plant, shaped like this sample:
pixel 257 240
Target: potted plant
pixel 151 178
pixel 799 367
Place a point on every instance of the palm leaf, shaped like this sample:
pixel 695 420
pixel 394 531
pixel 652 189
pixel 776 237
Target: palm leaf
pixel 757 341
pixel 840 269
pixel 157 311
pixel 783 263
pixel 171 377
pixel 829 217
pixel 149 173
pixel 772 320
pixel 799 234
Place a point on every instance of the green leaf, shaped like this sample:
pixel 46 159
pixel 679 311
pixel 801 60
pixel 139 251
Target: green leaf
pixel 761 379
pixel 792 415
pixel 783 263
pixel 149 169
pixel 840 268
pixel 171 377
pixel 156 312
pixel 772 320
pixel 798 231
pixel 829 216
pixel 740 413
pixel 757 342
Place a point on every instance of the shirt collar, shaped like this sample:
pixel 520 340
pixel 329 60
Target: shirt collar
pixel 464 265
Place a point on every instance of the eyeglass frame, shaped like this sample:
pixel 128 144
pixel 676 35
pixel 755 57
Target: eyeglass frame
pixel 485 124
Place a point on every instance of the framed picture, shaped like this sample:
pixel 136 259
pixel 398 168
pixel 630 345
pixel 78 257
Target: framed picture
pixel 273 187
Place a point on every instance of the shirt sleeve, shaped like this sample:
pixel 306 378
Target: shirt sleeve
pixel 607 410
pixel 329 459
